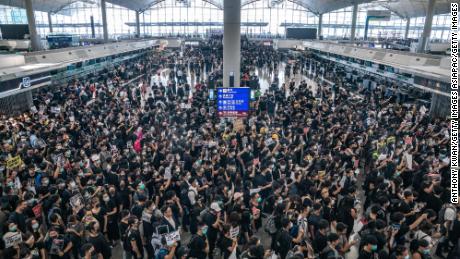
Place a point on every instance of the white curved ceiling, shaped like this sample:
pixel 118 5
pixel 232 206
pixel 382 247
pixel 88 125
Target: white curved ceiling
pixel 404 8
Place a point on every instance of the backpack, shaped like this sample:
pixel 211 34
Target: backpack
pixel 126 242
pixel 270 227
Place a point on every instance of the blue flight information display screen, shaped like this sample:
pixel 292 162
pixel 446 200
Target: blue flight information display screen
pixel 233 102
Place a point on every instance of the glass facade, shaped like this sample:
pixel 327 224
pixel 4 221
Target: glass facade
pixel 263 18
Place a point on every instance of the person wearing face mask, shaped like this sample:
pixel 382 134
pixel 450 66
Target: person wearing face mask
pixel 112 217
pixel 199 247
pixel 400 252
pixel 420 249
pixel 133 240
pixel 369 248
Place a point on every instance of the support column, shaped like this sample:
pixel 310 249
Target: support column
pixel 93 30
pixel 320 26
pixel 427 28
pixel 34 38
pixel 50 22
pixel 104 20
pixel 138 25
pixel 353 22
pixel 232 42
pixel 406 34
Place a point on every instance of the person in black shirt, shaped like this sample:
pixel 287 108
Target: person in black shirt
pixel 134 239
pixel 18 216
pixel 198 245
pixel 284 239
pixel 320 237
pixel 226 244
pixel 369 248
pixel 100 243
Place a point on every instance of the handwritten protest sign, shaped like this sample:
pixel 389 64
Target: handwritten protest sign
pixel 234 232
pixel 13 162
pixel 172 237
pixel 12 239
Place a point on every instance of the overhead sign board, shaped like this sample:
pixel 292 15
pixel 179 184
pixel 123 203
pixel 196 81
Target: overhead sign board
pixel 381 15
pixel 233 102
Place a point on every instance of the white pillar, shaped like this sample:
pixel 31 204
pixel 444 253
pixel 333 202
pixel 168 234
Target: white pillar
pixel 353 22
pixel 232 42
pixel 427 28
pixel 104 20
pixel 34 37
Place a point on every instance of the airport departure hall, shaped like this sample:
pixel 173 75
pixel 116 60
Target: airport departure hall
pixel 229 129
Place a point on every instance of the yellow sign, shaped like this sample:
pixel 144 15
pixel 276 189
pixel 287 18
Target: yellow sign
pixel 13 162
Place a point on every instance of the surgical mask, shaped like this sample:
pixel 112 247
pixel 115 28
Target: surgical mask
pixel 374 247
pixel 73 185
pixel 35 226
pixel 259 200
pixel 46 182
pixel 204 230
pixel 142 186
pixel 426 251
pixel 407 257
pixel 13 229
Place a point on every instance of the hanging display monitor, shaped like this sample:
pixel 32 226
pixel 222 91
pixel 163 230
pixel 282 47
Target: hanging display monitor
pixel 233 102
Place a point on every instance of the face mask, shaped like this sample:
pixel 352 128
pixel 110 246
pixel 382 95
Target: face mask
pixel 142 186
pixel 106 198
pixel 374 247
pixel 73 185
pixel 426 251
pixel 46 182
pixel 204 230
pixel 406 257
pixel 35 226
pixel 259 200
pixel 13 229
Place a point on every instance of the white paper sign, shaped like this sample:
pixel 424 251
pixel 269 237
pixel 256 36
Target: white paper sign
pixel 234 232
pixel 408 160
pixel 172 237
pixel 56 109
pixel 13 239
pixel 256 190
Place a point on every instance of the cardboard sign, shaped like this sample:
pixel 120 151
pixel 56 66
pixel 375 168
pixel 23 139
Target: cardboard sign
pixel 234 232
pixel 37 209
pixel 13 239
pixel 77 201
pixel 13 162
pixel 172 237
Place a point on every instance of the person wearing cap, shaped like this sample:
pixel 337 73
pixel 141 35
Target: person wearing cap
pixel 214 220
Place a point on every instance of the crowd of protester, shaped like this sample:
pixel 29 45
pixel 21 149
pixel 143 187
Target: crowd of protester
pixel 311 173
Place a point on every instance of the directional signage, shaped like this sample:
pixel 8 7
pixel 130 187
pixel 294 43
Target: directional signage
pixel 233 102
